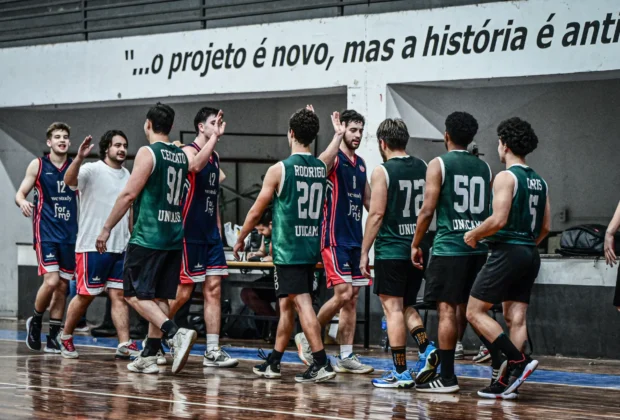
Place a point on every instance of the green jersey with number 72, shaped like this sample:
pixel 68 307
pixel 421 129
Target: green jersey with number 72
pixel 158 221
pixel 297 210
pixel 463 202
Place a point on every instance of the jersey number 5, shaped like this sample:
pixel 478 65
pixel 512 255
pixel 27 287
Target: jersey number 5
pixel 313 194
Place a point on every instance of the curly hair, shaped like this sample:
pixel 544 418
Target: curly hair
pixel 350 115
pixel 305 126
pixel 461 127
pixel 518 135
pixel 394 133
pixel 106 141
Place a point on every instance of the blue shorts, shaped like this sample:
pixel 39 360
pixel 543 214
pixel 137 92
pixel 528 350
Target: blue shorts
pixel 96 272
pixel 201 260
pixel 342 265
pixel 54 256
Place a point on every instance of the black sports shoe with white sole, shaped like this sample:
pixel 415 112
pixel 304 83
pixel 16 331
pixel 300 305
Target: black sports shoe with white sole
pixel 518 372
pixel 33 335
pixel 439 385
pixel 52 345
pixel 268 369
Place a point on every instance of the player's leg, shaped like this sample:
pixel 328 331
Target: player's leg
pixel 515 317
pixel 193 270
pixel 184 293
pixel 126 348
pixel 461 323
pixel 66 266
pixel 270 368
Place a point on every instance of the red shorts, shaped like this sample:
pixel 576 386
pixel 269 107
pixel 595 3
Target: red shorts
pixel 95 272
pixel 202 260
pixel 342 265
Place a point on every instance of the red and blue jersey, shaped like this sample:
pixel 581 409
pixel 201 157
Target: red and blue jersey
pixel 344 201
pixel 200 207
pixel 55 205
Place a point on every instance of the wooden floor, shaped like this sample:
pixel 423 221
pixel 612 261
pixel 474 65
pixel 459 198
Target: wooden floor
pixel 36 385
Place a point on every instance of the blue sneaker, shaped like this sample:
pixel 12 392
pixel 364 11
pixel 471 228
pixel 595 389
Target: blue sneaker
pixel 393 379
pixel 419 365
pixel 429 368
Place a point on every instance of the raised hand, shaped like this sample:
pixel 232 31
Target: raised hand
pixel 85 147
pixel 310 108
pixel 339 127
pixel 220 124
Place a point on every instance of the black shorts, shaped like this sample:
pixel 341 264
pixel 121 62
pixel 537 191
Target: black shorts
pixel 398 278
pixel 294 279
pixel 508 275
pixel 151 273
pixel 449 279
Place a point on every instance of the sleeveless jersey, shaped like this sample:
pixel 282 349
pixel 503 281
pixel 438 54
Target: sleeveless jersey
pixel 344 202
pixel 528 208
pixel 405 178
pixel 200 207
pixel 157 210
pixel 55 205
pixel 297 210
pixel 463 202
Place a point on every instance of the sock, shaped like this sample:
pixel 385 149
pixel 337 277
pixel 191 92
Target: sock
pixel 37 317
pixel 213 342
pixel 320 357
pixel 55 327
pixel 346 350
pixel 152 347
pixel 399 356
pixel 496 354
pixel 420 337
pixel 503 343
pixel 65 336
pixel 447 363
pixel 275 356
pixel 169 328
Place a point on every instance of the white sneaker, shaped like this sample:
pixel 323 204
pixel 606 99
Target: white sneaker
pixel 182 343
pixel 127 350
pixel 219 358
pixel 351 364
pixel 161 356
pixel 67 349
pixel 144 365
pixel 303 349
pixel 459 351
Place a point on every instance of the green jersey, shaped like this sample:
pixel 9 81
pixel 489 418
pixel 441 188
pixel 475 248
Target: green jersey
pixel 463 202
pixel 405 178
pixel 297 210
pixel 527 212
pixel 157 210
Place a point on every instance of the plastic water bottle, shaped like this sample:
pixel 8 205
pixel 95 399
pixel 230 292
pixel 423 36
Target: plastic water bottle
pixel 384 340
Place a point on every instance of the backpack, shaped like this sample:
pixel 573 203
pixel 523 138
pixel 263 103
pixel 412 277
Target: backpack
pixel 585 240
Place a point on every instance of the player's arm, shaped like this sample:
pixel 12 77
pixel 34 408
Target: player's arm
pixel 610 250
pixel 375 216
pixel 142 169
pixel 432 190
pixel 222 175
pixel 270 186
pixel 25 188
pixel 131 219
pixel 546 226
pixel 197 161
pixel 503 191
pixel 261 250
pixel 329 155
pixel 73 171
pixel 367 194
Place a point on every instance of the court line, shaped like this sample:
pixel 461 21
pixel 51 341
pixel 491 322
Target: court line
pixel 48 354
pixel 207 405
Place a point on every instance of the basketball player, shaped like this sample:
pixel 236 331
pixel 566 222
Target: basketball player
pixel 296 186
pixel 153 256
pixel 520 219
pixel 610 250
pixel 458 188
pixel 95 272
pixel 397 193
pixel 54 219
pixel 203 251
pixel 347 192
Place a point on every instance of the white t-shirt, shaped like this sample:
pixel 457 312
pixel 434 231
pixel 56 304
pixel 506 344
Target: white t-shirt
pixel 99 185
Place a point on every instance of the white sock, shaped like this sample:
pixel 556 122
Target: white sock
pixel 213 341
pixel 64 336
pixel 346 350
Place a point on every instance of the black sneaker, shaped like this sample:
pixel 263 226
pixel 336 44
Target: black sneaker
pixel 52 345
pixel 267 369
pixel 439 385
pixel 497 391
pixel 316 373
pixel 33 335
pixel 518 372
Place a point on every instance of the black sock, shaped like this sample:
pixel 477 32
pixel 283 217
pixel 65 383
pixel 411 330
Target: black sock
pixel 169 328
pixel 275 356
pixel 503 343
pixel 420 337
pixel 55 327
pixel 446 357
pixel 37 317
pixel 399 356
pixel 320 357
pixel 496 354
pixel 151 347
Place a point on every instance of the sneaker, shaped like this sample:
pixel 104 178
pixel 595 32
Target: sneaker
pixel 518 372
pixel 393 379
pixel 496 391
pixel 67 349
pixel 33 335
pixel 316 373
pixel 82 326
pixel 429 369
pixel 483 355
pixel 459 352
pixel 161 354
pixel 52 345
pixel 144 365
pixel 218 358
pixel 439 385
pixel 351 364
pixel 422 357
pixel 182 342
pixel 127 350
pixel 267 369
pixel 303 349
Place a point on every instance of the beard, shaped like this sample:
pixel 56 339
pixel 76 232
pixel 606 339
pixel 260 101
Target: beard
pixel 350 145
pixel 382 153
pixel 117 159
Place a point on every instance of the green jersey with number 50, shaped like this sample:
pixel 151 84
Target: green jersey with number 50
pixel 527 212
pixel 158 223
pixel 297 210
pixel 463 202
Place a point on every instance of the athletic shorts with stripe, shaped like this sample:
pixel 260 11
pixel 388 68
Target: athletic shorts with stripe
pixel 54 256
pixel 342 265
pixel 202 260
pixel 97 272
